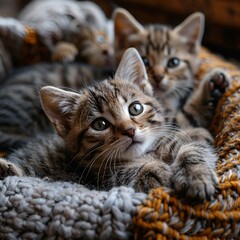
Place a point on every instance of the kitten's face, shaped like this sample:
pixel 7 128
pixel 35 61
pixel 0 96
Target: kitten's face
pixel 116 119
pixel 168 54
pixel 94 46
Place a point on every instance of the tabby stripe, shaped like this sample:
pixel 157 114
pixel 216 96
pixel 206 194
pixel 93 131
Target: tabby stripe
pixel 98 103
pixel 190 118
pixel 189 66
pixel 64 74
pixel 93 150
pixel 80 138
pixel 153 121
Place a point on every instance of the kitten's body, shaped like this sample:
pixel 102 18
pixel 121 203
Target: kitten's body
pixel 21 114
pixel 80 25
pixel 115 133
pixel 59 31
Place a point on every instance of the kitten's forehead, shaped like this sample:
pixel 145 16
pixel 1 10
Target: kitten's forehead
pixel 112 95
pixel 157 39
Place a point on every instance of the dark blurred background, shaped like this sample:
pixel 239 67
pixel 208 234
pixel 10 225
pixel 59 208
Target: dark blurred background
pixel 222 27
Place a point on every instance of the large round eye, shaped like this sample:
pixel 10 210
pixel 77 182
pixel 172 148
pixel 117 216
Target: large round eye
pixel 146 61
pixel 100 124
pixel 135 108
pixel 173 62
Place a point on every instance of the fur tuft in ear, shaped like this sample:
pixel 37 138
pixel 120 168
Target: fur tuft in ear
pixel 192 29
pixel 59 106
pixel 132 69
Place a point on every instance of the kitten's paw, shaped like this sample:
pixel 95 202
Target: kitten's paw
pixel 217 83
pixel 153 175
pixel 8 169
pixel 64 52
pixel 198 185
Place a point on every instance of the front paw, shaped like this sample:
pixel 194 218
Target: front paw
pixel 216 83
pixel 8 169
pixel 64 52
pixel 194 182
pixel 153 175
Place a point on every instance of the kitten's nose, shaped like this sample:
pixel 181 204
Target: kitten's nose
pixel 130 132
pixel 105 52
pixel 158 78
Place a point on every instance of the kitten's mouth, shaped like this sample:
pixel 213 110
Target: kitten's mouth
pixel 133 143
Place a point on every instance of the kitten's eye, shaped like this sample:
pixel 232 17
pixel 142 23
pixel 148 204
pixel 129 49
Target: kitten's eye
pixel 146 61
pixel 100 39
pixel 100 124
pixel 173 62
pixel 135 108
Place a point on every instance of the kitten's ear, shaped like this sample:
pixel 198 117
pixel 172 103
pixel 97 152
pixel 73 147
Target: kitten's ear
pixel 124 26
pixel 192 29
pixel 132 69
pixel 59 106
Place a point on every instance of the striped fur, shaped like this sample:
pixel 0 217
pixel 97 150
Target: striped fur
pixel 169 54
pixel 58 31
pixel 115 133
pixel 21 115
pixel 171 59
pixel 80 25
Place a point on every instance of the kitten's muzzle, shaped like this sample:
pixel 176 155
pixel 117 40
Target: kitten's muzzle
pixel 130 132
pixel 158 78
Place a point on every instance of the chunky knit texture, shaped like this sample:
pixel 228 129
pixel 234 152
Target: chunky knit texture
pixel 32 208
pixel 165 217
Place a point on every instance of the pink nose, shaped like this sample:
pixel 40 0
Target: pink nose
pixel 130 132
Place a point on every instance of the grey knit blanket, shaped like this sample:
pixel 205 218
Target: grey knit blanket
pixel 32 208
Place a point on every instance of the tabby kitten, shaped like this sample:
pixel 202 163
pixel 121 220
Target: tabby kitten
pixel 52 30
pixel 21 114
pixel 115 133
pixel 170 55
pixel 171 59
pixel 73 29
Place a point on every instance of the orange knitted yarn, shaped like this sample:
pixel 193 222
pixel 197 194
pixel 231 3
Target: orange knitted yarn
pixel 165 217
pixel 31 36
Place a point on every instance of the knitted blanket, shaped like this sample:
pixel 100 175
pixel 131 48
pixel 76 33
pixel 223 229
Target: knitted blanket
pixel 32 208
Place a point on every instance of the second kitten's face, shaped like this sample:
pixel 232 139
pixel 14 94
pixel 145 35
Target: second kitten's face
pixel 168 54
pixel 95 47
pixel 115 119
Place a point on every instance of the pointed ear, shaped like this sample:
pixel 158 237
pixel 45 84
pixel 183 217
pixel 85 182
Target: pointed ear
pixel 59 106
pixel 124 26
pixel 132 69
pixel 192 29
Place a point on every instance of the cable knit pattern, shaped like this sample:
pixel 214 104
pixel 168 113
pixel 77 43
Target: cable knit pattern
pixel 32 208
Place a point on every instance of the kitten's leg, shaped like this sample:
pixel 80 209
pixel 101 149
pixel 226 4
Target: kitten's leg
pixel 143 174
pixel 193 171
pixel 9 169
pixel 200 107
pixel 64 52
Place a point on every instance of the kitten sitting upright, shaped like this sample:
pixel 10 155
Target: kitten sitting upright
pixel 115 133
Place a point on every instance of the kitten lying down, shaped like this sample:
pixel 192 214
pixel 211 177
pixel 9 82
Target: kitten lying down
pixel 115 133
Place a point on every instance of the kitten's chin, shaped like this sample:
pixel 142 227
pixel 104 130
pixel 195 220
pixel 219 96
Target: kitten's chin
pixel 136 149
